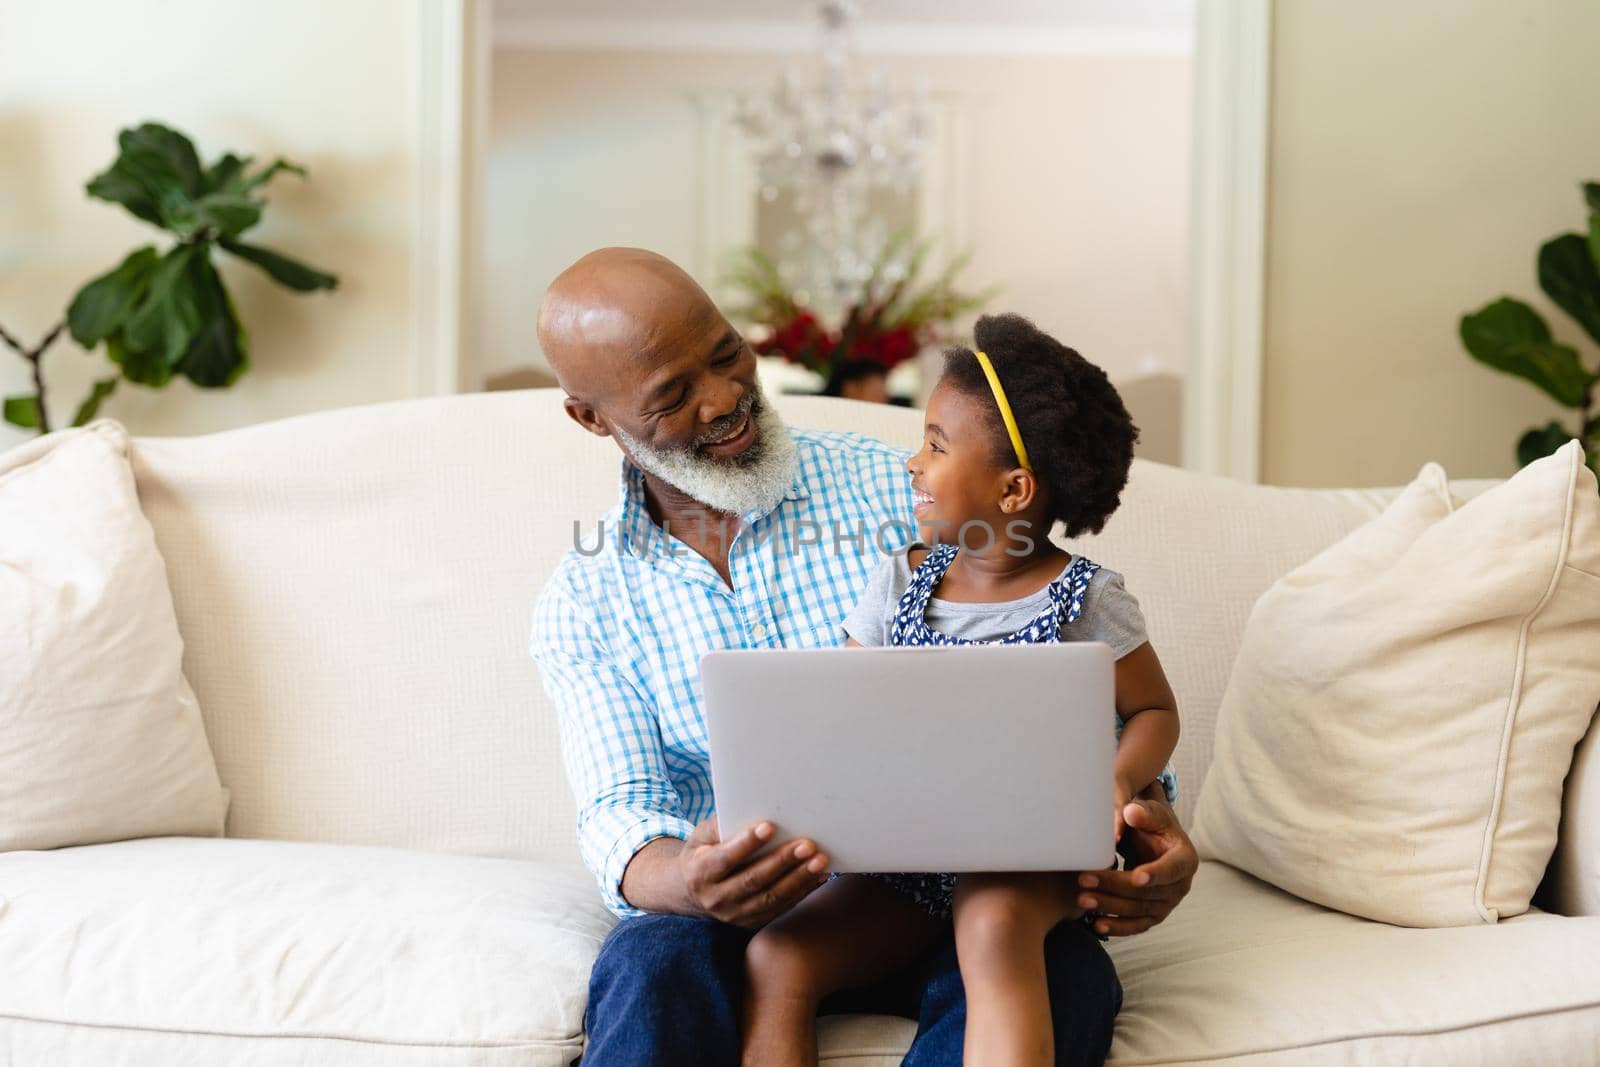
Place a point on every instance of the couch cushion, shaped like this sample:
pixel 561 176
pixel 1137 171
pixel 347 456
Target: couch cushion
pixel 245 952
pixel 204 951
pixel 1243 973
pixel 354 589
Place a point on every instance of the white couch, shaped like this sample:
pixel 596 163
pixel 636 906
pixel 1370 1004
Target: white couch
pixel 400 882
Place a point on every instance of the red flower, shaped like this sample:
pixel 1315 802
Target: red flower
pixel 804 340
pixel 800 340
pixel 887 347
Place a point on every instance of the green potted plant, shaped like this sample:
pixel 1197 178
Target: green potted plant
pixel 1512 337
pixel 163 314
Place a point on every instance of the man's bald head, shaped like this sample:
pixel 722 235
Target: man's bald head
pixel 612 307
pixel 647 359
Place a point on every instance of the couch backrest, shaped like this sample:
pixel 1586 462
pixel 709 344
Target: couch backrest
pixel 354 590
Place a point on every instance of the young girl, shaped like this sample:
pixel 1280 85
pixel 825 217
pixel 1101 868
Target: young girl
pixel 1020 435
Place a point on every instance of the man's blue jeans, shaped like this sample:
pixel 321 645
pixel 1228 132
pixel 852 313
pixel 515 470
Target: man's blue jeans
pixel 668 990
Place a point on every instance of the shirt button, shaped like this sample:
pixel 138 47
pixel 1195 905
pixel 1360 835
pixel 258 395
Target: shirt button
pixel 758 631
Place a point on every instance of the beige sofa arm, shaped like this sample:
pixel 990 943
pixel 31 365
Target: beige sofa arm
pixel 1572 883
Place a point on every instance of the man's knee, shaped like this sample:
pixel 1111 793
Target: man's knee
pixel 666 952
pixel 666 989
pixel 1072 953
pixel 1085 993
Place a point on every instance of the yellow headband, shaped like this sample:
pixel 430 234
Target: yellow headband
pixel 1005 410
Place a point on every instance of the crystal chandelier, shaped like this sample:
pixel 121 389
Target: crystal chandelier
pixel 831 148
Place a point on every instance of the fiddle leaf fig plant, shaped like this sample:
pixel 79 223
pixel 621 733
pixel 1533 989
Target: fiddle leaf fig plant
pixel 1512 337
pixel 165 313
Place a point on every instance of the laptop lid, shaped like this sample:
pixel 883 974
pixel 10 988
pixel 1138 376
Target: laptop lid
pixel 963 758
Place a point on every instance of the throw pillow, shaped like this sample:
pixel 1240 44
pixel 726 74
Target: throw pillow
pixel 1403 710
pixel 100 735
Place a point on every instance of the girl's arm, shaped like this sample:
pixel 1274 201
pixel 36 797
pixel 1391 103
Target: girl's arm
pixel 1149 722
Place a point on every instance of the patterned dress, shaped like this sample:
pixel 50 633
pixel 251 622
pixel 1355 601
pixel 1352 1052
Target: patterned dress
pixel 934 892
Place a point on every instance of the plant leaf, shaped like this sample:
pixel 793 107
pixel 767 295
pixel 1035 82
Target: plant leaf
pixel 1510 336
pixel 1568 275
pixel 157 149
pixel 230 213
pixel 155 175
pixel 296 276
pixel 267 173
pixel 102 306
pixel 1594 237
pixel 214 215
pixel 1591 195
pixel 137 366
pixel 219 352
pixel 22 411
pixel 91 407
pixel 222 175
pixel 160 330
pixel 117 186
pixel 1541 442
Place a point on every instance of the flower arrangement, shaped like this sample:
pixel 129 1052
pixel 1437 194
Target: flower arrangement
pixel 890 320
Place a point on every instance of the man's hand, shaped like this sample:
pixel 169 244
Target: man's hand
pixel 1122 792
pixel 1161 864
pixel 723 882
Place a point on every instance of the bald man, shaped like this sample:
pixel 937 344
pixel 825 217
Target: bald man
pixel 732 531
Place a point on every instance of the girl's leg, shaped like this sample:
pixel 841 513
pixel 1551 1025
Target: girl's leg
pixel 1001 921
pixel 851 932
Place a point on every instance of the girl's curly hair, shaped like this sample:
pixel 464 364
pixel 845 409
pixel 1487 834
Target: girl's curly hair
pixel 1078 434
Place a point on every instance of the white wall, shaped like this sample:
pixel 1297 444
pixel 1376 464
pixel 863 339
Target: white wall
pixel 1420 154
pixel 1077 178
pixel 331 86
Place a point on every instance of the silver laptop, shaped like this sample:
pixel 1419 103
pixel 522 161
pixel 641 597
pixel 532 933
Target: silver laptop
pixel 965 758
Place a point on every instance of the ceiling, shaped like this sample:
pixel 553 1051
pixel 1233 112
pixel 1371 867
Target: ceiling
pixel 894 25
pixel 1171 14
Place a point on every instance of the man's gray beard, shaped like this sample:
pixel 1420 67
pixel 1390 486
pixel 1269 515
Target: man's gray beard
pixel 751 482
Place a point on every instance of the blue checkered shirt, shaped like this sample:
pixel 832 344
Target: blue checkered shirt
pixel 619 630
pixel 618 633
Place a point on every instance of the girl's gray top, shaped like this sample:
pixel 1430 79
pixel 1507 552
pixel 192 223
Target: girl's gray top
pixel 1110 613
